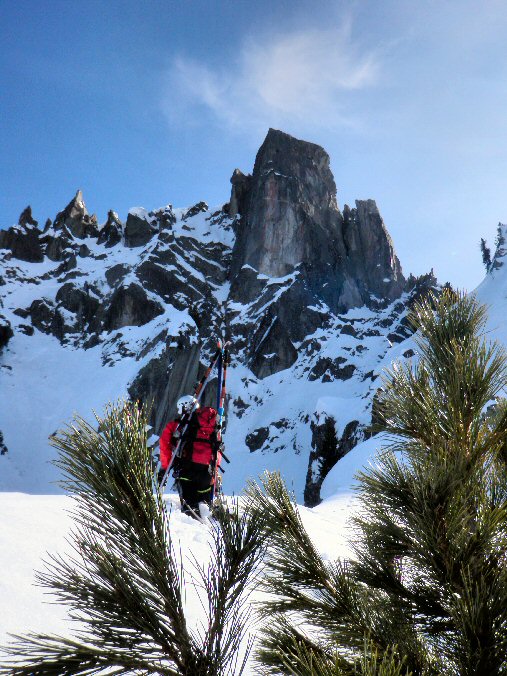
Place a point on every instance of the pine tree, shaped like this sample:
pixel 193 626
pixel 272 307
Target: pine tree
pixel 124 583
pixel 499 239
pixel 486 255
pixel 426 591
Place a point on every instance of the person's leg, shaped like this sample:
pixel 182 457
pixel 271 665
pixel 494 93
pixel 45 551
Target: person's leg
pixel 203 485
pixel 188 496
pixel 195 487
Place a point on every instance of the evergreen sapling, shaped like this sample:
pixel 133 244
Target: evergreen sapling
pixel 426 591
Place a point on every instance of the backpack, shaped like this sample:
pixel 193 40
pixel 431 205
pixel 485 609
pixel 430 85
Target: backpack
pixel 201 442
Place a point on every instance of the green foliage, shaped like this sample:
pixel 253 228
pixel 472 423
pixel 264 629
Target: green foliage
pixel 486 255
pixel 124 583
pixel 499 239
pixel 319 617
pixel 426 592
pixel 434 522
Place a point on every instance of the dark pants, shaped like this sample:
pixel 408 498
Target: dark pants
pixel 194 486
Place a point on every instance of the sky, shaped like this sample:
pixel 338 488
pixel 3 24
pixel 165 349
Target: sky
pixel 145 103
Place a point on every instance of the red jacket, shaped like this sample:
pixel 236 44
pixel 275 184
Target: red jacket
pixel 167 443
pixel 201 450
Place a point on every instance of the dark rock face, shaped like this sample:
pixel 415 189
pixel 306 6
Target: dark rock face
pixel 327 370
pixel 76 219
pixel 164 380
pixel 273 350
pixel 165 282
pixel 6 332
pixel 256 439
pixel 290 179
pixel 79 302
pixel 246 285
pixel 297 259
pixel 110 234
pixel 42 313
pixel 23 242
pixel 116 273
pixel 165 217
pixel 130 306
pixel 290 220
pixel 138 232
pixel 327 449
pixel 26 218
pixel 239 193
pixel 196 209
pixel 370 251
pixel 57 248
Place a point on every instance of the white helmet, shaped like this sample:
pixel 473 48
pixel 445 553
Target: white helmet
pixel 184 403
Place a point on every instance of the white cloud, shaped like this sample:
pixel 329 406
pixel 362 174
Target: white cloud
pixel 304 76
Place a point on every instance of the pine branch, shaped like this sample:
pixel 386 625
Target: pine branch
pixel 123 582
pixel 305 590
pixel 429 575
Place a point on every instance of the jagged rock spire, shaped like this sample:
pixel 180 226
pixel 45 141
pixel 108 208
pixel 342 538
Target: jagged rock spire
pixel 76 219
pixel 26 218
pixel 290 220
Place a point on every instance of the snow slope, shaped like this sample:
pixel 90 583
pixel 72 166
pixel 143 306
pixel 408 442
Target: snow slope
pixel 48 374
pixel 33 526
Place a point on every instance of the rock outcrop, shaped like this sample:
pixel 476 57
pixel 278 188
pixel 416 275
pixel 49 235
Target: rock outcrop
pixel 130 306
pixel 26 218
pixel 6 332
pixel 327 449
pixel 76 220
pixel 297 258
pixel 110 234
pixel 290 222
pixel 23 240
pixel 138 230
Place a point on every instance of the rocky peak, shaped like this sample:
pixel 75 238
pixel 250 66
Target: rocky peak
pixel 26 218
pixel 200 207
pixel 371 251
pixel 307 163
pixel 110 233
pixel 291 193
pixel 239 193
pixel 290 222
pixel 76 219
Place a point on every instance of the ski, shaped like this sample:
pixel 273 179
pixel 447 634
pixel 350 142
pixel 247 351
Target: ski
pixel 220 410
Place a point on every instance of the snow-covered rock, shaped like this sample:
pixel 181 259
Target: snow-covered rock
pixel 313 301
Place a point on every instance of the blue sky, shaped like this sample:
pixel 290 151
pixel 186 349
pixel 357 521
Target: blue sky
pixel 155 102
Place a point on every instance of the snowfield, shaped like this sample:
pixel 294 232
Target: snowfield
pixel 34 526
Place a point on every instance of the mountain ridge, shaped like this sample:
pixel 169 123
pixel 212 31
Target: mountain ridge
pixel 312 298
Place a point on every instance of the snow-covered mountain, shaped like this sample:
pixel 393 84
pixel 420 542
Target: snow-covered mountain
pixel 312 298
pixel 90 314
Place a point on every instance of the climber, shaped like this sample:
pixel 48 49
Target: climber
pixel 199 453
